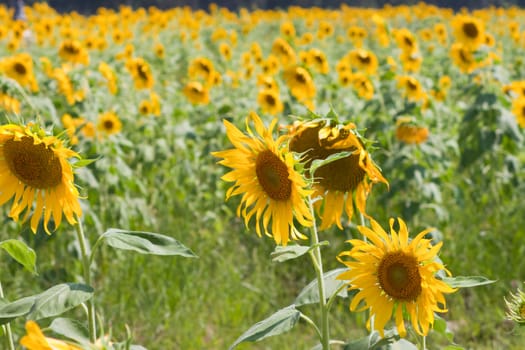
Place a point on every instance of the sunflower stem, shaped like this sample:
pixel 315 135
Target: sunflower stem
pixel 82 242
pixel 318 265
pixel 7 326
pixel 424 345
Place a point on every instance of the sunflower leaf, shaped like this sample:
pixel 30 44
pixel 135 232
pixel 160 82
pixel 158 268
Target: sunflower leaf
pixel 22 253
pixel 316 164
pixel 467 281
pixel 146 243
pixel 280 322
pixel 59 299
pixel 310 293
pixel 71 329
pixel 374 341
pixel 289 252
pixel 17 308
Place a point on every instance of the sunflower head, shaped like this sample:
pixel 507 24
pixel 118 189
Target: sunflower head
pixel 263 171
pixel 335 182
pixel 395 276
pixel 36 173
pixel 516 307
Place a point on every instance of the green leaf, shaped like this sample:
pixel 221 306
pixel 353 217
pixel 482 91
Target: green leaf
pixel 374 341
pixel 289 252
pixel 17 308
pixel 466 281
pixel 280 322
pixel 59 299
pixel 310 293
pixel 332 158
pixel 146 243
pixel 84 162
pixel 21 252
pixel 403 344
pixel 453 347
pixel 71 329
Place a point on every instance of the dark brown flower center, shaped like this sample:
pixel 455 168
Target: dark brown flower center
pixel 20 68
pixel 142 70
pixel 471 30
pixel 270 99
pixel 398 275
pixel 36 166
pixel 364 58
pixel 108 124
pixel 300 77
pixel 272 174
pixel 71 49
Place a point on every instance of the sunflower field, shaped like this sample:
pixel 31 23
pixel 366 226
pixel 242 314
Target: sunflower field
pixel 303 178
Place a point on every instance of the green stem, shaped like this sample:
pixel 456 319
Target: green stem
pixel 311 323
pixel 424 343
pixel 87 279
pixel 7 326
pixel 315 254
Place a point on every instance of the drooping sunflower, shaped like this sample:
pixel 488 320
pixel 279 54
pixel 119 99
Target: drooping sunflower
pixel 264 173
pixel 338 181
pixel 36 340
pixel 34 167
pixel 410 132
pixel 394 276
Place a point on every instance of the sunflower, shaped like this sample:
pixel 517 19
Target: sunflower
pixel 159 50
pixel 200 67
pixel 73 51
pixel 283 51
pixel 35 340
pixel 35 167
pixel 363 60
pixel 318 60
pixel 300 82
pixel 409 132
pixel 270 102
pixel 363 86
pixel 469 31
pixel 394 276
pixel 337 181
pixel 141 73
pixel 264 172
pixel 516 307
pixel 463 57
pixel 518 109
pixel 20 68
pixel 412 88
pixel 196 93
pixel 405 40
pixel 109 123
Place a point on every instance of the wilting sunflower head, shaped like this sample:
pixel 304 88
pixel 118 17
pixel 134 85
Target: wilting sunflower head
pixel 395 276
pixel 336 182
pixel 264 173
pixel 516 307
pixel 36 174
pixel 410 132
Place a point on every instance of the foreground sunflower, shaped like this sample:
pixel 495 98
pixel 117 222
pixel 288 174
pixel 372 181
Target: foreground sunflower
pixel 395 276
pixel 264 173
pixel 36 340
pixel 338 181
pixel 35 168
